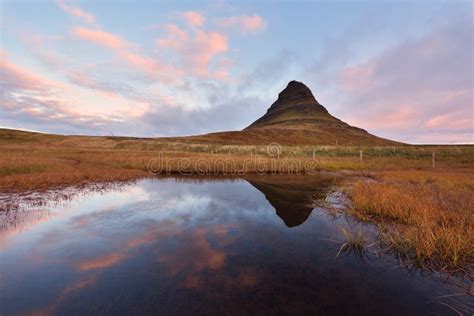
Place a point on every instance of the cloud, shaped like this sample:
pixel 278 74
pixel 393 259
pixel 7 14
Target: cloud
pixel 16 78
pixel 193 18
pixel 35 102
pixel 102 262
pixel 90 78
pixel 147 67
pixel 423 83
pixel 100 38
pixel 175 39
pixel 110 81
pixel 450 121
pixel 76 11
pixel 178 89
pixel 280 67
pixel 206 46
pixel 197 48
pixel 230 113
pixel 247 24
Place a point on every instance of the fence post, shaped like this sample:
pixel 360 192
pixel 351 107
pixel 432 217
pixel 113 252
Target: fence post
pixel 360 155
pixel 433 159
pixel 314 153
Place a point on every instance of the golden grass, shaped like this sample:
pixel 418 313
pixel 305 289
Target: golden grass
pixel 31 161
pixel 34 168
pixel 433 215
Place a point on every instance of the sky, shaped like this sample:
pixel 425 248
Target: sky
pixel 400 70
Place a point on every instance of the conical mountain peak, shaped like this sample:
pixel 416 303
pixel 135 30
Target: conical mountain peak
pixel 295 105
pixel 295 93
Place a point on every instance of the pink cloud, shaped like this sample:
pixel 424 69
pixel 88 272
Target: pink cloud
pixel 419 86
pixel 92 75
pixel 99 263
pixel 100 37
pixel 33 99
pixel 354 78
pixel 147 66
pixel 176 37
pixel 388 116
pixel 19 78
pixel 450 121
pixel 193 18
pixel 197 48
pixel 21 88
pixel 245 23
pixel 78 285
pixel 205 255
pixel 437 121
pixel 207 46
pixel 76 11
pixel 150 66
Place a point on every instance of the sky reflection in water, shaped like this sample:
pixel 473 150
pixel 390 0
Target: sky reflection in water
pixel 174 246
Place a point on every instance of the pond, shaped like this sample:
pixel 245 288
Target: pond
pixel 202 246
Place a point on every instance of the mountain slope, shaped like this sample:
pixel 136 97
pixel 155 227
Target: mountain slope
pixel 297 108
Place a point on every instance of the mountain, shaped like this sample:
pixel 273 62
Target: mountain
pixel 296 108
pixel 296 118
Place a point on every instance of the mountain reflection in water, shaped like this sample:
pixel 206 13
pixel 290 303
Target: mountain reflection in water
pixel 293 199
pixel 176 246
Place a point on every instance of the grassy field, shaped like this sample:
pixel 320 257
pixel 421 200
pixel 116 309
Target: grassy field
pixel 32 161
pixel 421 196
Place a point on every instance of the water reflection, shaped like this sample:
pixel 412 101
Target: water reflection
pixel 174 246
pixel 293 199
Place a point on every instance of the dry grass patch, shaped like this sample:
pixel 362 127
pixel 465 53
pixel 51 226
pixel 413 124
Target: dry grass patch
pixel 433 216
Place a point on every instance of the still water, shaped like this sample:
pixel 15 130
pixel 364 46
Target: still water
pixel 188 246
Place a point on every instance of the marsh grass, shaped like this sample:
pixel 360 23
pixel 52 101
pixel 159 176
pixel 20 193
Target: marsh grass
pixel 354 241
pixel 428 219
